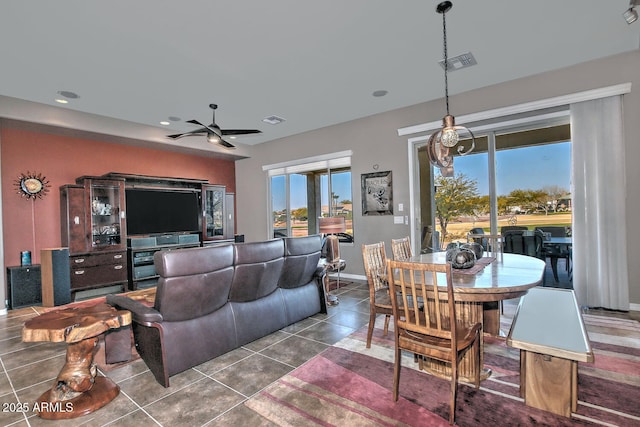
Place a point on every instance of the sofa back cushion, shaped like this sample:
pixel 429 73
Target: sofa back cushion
pixel 258 266
pixel 301 260
pixel 193 282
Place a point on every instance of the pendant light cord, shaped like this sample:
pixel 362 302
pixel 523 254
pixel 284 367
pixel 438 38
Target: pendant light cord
pixel 446 60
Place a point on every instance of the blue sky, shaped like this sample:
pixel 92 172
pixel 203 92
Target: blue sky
pixel 529 168
pixel 341 186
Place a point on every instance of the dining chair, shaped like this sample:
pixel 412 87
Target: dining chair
pixel 431 329
pixel 556 252
pixel 519 242
pixel 375 267
pixel 491 243
pixel 506 228
pixel 401 249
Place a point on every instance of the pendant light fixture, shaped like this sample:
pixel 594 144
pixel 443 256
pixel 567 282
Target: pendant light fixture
pixel 448 137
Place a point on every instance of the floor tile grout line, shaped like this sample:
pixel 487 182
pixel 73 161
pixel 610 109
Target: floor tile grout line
pixel 172 393
pixel 139 408
pixel 15 393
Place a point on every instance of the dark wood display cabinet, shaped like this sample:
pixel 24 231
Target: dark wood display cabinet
pixel 94 229
pixel 217 215
pixel 113 224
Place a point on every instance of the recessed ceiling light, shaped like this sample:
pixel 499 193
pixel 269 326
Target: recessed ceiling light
pixel 273 120
pixel 379 93
pixel 165 123
pixel 61 101
pixel 68 94
pixel 232 137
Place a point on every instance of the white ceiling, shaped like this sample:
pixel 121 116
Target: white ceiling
pixel 313 63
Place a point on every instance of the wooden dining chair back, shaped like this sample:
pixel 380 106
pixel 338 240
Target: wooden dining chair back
pixel 375 267
pixel 491 243
pixel 401 249
pixel 425 321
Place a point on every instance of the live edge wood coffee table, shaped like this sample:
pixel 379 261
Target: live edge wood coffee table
pixel 77 390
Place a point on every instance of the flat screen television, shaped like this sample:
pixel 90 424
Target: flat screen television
pixel 151 211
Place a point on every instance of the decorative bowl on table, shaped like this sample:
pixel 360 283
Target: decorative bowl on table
pixel 475 247
pixel 460 257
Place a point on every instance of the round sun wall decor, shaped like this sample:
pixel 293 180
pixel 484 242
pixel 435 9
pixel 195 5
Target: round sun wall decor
pixel 32 185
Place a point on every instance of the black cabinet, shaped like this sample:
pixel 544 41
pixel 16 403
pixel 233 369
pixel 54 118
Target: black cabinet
pixel 142 271
pixel 24 286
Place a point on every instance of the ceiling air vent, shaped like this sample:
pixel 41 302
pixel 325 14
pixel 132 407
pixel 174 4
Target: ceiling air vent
pixel 273 120
pixel 460 61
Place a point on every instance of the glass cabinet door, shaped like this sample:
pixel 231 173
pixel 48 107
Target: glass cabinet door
pixel 213 212
pixel 106 213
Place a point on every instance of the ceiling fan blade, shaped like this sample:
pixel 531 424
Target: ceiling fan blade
pixel 239 131
pixel 211 128
pixel 191 133
pixel 178 135
pixel 226 144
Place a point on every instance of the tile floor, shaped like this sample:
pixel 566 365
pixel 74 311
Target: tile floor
pixel 210 394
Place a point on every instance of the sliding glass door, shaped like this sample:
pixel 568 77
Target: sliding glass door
pixel 514 177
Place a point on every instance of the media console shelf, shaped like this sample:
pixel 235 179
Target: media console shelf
pixel 142 272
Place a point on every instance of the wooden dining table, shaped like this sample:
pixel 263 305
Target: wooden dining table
pixel 478 292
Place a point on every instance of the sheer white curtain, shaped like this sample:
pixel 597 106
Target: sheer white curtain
pixel 600 278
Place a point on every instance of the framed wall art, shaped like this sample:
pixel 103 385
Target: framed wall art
pixel 377 193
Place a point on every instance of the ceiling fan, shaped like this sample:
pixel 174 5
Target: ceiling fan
pixel 213 132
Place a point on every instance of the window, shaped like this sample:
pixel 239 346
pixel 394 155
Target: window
pixel 528 184
pixel 301 192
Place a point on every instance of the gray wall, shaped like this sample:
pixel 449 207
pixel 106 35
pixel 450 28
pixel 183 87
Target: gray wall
pixel 374 140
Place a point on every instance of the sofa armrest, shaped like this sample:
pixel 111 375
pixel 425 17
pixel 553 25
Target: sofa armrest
pixel 139 312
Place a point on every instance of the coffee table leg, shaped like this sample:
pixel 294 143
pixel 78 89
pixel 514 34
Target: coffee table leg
pixel 77 390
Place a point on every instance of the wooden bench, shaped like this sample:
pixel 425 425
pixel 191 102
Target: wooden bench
pixel 549 331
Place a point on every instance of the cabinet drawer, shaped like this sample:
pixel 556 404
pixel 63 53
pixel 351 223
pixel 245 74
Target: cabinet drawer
pixel 91 260
pixel 90 277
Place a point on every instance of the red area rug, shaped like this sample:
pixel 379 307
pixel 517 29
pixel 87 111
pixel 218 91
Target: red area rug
pixel 348 384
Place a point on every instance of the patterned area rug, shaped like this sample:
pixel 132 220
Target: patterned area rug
pixel 350 385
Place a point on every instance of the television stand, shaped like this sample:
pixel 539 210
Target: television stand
pixel 140 250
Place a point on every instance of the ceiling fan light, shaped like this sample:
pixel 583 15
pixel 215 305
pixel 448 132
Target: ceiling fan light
pixel 213 138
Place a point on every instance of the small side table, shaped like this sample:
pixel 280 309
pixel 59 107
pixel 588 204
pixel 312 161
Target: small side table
pixel 77 390
pixel 550 333
pixel 329 297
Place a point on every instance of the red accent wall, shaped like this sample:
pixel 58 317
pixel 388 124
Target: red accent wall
pixel 32 225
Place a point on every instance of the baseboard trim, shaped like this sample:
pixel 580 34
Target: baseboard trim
pixel 348 276
pixel 634 307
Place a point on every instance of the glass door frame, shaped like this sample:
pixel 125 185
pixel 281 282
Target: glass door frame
pixel 489 130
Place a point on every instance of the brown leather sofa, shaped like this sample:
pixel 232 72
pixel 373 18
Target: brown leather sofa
pixel 212 300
